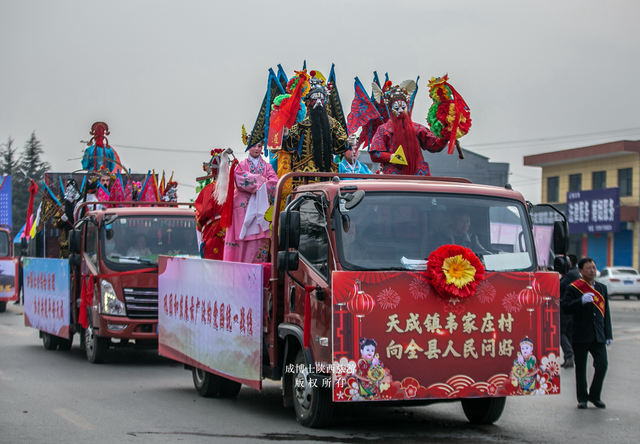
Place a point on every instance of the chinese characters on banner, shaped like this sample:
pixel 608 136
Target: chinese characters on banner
pixel 415 344
pixel 210 316
pixel 46 295
pixel 594 211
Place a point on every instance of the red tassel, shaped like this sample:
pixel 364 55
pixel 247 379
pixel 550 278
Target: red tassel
pixel 306 334
pixel 86 298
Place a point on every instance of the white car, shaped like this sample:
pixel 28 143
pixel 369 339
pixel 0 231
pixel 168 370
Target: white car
pixel 621 281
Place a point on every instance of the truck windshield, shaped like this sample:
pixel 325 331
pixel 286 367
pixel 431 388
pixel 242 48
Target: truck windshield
pixel 4 244
pixel 400 230
pixel 139 240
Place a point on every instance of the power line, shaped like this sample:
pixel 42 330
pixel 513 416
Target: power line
pixel 162 149
pixel 549 140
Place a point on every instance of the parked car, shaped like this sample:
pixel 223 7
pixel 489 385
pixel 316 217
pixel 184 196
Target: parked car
pixel 621 281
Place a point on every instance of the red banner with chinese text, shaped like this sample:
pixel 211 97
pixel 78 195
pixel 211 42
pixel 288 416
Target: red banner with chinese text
pixel 404 341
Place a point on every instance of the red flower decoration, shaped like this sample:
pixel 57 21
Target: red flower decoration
pixel 455 271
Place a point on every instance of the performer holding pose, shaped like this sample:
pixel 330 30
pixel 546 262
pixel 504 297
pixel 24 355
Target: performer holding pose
pixel 248 237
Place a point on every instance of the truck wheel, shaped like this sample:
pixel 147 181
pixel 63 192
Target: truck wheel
pixel 229 388
pixel 65 344
pixel 95 347
pixel 50 342
pixel 207 384
pixel 3 306
pixel 483 410
pixel 313 404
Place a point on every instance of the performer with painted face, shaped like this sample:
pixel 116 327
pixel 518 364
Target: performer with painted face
pixel 400 135
pixel 210 205
pixel 319 136
pixel 249 235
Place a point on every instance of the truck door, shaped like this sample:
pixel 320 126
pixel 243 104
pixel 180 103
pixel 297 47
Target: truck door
pixel 314 270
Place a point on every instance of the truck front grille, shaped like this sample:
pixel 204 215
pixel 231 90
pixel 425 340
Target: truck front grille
pixel 141 303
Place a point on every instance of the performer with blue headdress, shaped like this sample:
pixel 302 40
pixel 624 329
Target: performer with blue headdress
pixel 99 151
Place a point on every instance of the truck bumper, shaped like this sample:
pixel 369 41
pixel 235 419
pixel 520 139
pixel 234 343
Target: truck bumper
pixel 126 328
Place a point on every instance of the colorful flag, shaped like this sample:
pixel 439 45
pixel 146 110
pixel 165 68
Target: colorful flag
pixel 362 109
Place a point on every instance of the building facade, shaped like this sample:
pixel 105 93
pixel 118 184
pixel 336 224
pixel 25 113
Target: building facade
pixel 599 167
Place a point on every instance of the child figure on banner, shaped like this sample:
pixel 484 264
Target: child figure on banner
pixel 524 370
pixel 370 371
pixel 248 237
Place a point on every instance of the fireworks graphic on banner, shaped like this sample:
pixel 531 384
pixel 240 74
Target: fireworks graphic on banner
pixel 511 304
pixel 388 298
pixel 486 292
pixel 419 288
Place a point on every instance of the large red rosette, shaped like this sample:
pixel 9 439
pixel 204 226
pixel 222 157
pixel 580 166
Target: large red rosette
pixel 455 271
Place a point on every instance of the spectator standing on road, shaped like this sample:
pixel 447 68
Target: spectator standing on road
pixel 566 320
pixel 588 302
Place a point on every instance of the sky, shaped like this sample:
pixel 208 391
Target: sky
pixel 174 79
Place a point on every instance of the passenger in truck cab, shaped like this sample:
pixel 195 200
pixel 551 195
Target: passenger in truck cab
pixel 457 233
pixel 139 249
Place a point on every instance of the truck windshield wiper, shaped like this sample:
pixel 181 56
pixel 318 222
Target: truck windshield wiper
pixel 140 261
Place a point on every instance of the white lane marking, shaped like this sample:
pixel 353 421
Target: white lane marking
pixel 13 332
pixel 76 420
pixel 5 377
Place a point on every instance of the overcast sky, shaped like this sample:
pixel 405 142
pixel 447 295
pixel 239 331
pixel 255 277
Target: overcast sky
pixel 181 77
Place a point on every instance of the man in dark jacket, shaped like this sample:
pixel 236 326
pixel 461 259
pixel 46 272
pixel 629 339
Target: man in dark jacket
pixel 566 320
pixel 588 302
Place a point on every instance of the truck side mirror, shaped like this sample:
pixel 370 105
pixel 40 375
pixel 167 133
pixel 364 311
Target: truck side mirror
pixel 561 265
pixel 288 260
pixel 75 241
pixel 289 224
pixel 560 238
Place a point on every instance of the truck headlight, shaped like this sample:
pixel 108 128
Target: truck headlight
pixel 110 303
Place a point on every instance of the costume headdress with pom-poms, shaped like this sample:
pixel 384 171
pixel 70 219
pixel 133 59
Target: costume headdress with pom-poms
pixel 449 116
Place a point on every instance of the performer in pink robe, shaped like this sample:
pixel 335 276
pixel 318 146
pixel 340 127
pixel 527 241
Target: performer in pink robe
pixel 249 236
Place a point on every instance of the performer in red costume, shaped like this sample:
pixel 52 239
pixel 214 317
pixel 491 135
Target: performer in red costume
pixel 401 131
pixel 210 204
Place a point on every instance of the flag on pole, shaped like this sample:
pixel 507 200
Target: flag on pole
pixel 362 109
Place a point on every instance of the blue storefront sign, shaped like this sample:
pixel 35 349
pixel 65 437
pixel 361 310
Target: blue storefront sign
pixel 594 211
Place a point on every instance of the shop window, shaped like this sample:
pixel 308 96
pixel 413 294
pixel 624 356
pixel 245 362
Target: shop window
pixel 599 180
pixel 575 182
pixel 625 182
pixel 553 189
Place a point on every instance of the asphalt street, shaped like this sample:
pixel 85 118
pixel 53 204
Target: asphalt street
pixel 139 397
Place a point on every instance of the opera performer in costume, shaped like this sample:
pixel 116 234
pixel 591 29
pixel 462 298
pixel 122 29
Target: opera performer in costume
pixel 401 131
pixel 64 222
pixel 90 196
pixel 322 136
pixel 99 153
pixel 210 204
pixel 249 236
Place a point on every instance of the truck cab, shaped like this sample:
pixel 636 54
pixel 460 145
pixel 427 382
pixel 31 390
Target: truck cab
pixel 119 251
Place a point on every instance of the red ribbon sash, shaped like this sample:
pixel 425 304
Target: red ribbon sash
pixel 598 299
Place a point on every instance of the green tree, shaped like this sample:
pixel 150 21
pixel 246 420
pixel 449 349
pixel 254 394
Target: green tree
pixel 30 166
pixel 8 158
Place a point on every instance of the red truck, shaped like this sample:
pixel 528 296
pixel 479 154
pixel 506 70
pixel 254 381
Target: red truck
pixel 9 269
pixel 107 290
pixel 357 303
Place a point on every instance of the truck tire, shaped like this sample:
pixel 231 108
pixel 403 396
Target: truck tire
pixel 229 388
pixel 95 347
pixel 313 404
pixel 65 344
pixel 483 410
pixel 207 384
pixel 49 341
pixel 3 306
